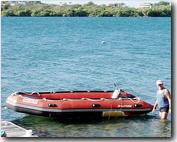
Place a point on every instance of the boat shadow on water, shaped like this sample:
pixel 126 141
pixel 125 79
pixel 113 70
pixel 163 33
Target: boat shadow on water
pixel 29 119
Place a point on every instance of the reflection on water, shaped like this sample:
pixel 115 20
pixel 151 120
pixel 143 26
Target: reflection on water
pixel 143 126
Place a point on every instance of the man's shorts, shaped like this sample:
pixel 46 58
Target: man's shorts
pixel 164 109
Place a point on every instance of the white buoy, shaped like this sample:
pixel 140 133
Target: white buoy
pixel 103 42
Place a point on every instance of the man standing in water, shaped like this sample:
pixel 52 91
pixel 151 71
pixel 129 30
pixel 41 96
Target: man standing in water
pixel 163 100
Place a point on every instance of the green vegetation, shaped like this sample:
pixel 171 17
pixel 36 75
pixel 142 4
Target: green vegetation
pixel 161 9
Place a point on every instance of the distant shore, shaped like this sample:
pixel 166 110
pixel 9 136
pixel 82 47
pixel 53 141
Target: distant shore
pixel 35 9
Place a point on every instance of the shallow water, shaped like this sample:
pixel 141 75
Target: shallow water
pixel 53 54
pixel 135 127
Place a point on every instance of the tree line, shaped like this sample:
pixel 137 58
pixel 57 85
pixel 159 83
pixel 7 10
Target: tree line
pixel 161 9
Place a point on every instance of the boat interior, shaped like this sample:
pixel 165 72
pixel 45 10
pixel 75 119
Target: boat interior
pixel 74 95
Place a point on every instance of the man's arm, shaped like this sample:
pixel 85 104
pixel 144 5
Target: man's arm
pixel 168 96
pixel 155 106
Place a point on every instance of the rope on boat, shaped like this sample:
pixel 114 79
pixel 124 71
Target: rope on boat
pixel 135 101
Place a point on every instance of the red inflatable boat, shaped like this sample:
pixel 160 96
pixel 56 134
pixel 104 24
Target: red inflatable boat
pixel 78 103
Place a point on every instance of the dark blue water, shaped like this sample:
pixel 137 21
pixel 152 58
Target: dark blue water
pixel 53 54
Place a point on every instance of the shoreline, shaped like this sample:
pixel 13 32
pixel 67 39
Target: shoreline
pixel 87 10
pixel 94 16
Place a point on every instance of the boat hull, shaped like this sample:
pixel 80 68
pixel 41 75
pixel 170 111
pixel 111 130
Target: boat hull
pixel 67 106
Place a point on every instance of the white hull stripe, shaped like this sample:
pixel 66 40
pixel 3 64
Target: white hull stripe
pixel 75 110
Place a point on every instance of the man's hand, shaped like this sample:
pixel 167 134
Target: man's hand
pixel 155 106
pixel 153 110
pixel 169 110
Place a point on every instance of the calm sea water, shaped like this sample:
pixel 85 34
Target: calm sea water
pixel 54 54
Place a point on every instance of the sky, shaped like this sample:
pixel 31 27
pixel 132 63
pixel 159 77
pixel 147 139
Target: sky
pixel 131 3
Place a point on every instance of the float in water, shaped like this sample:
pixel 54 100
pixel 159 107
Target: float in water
pixel 116 103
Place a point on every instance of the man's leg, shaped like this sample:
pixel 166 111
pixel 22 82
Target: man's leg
pixel 163 115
